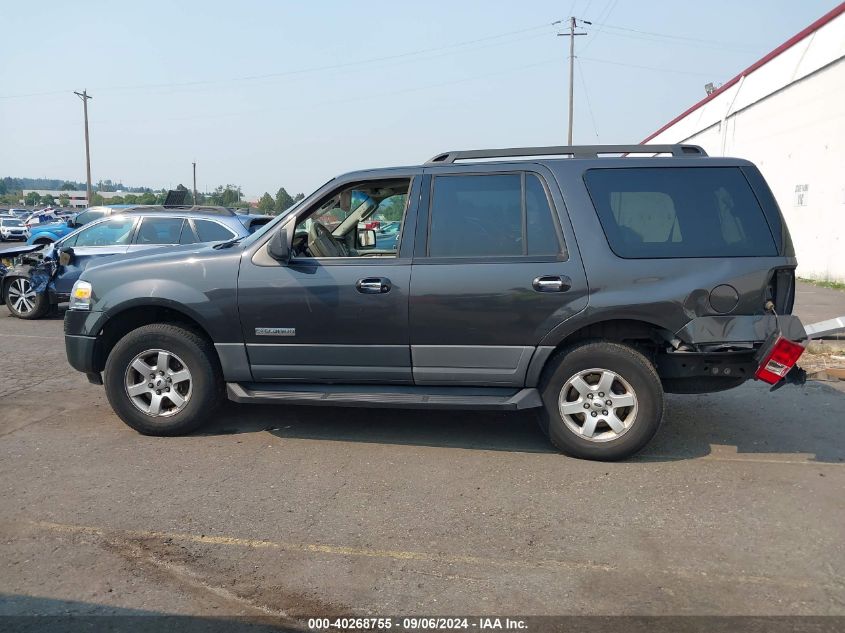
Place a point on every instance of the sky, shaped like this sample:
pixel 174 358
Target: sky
pixel 265 94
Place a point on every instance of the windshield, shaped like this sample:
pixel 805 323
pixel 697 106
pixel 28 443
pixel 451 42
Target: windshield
pixel 275 222
pixel 12 222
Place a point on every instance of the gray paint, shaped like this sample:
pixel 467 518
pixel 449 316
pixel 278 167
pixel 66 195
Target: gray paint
pixel 234 361
pixel 470 364
pixel 460 319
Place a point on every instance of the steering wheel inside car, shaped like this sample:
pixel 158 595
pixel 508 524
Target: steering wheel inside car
pixel 321 243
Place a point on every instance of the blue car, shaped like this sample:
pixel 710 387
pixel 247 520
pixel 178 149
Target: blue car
pixel 54 231
pixel 43 275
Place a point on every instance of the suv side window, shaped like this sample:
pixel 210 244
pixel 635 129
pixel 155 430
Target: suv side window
pixel 364 220
pixel 89 216
pixel 209 231
pixel 541 234
pixel 651 212
pixel 491 215
pixel 113 232
pixel 159 231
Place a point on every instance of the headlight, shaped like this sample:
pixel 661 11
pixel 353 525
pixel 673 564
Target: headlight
pixel 80 296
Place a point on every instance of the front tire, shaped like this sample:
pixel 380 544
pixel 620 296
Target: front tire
pixel 163 379
pixel 602 401
pixel 23 302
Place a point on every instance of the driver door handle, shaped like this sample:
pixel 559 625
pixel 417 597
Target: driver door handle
pixel 373 285
pixel 552 283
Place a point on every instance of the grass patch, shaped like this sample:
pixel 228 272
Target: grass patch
pixel 834 285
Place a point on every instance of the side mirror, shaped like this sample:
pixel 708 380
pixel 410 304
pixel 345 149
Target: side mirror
pixel 66 256
pixel 278 247
pixel 71 223
pixel 366 238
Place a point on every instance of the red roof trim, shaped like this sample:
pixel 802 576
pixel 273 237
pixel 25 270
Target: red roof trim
pixel 792 41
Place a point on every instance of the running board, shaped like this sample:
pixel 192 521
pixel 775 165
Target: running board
pixel 391 396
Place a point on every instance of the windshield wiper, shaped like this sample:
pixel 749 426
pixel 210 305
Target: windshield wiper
pixel 229 243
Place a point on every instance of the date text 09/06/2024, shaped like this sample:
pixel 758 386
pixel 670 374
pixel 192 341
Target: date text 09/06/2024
pixel 417 623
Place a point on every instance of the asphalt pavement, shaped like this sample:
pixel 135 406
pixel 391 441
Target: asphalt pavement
pixel 736 507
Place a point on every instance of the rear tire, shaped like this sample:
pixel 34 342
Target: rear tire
pixel 184 373
pixel 23 302
pixel 602 401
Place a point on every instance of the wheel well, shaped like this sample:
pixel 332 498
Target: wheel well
pixel 43 240
pixel 124 322
pixel 643 336
pixel 647 337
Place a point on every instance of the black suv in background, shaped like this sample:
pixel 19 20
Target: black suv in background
pixel 580 281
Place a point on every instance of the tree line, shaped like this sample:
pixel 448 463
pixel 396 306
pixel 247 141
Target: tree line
pixel 223 195
pixel 283 200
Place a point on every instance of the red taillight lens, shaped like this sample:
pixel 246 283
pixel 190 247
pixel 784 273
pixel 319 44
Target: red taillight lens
pixel 777 363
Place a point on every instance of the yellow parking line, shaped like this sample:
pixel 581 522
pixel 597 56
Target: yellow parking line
pixel 340 550
pixel 695 575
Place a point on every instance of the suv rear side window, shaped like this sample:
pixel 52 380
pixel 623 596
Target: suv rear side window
pixel 159 231
pixel 496 215
pixel 652 212
pixel 209 231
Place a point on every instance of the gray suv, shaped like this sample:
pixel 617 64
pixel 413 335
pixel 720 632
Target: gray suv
pixel 583 282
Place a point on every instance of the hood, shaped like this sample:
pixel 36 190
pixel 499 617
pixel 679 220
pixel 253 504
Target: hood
pixel 47 226
pixel 8 253
pixel 170 255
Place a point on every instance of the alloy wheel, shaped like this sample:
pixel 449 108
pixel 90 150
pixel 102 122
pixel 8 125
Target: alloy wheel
pixel 158 383
pixel 598 405
pixel 21 296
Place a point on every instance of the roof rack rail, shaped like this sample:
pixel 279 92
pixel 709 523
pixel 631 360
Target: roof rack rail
pixel 575 151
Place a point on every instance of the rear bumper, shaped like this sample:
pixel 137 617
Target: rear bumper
pixel 714 330
pixel 729 347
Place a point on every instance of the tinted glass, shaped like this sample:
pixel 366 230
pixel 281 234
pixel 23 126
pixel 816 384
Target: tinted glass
pixel 113 232
pixel 476 216
pixel 187 236
pixel 89 216
pixel 679 212
pixel 209 231
pixel 540 230
pixel 159 231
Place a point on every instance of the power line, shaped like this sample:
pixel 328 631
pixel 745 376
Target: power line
pixel 587 99
pixel 655 68
pixel 659 40
pixel 287 73
pixel 666 35
pixel 611 5
pixel 186 88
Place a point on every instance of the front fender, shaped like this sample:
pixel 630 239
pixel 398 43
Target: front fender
pixel 53 237
pixel 215 317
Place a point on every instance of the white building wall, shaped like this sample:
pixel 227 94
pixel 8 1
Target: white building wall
pixel 788 118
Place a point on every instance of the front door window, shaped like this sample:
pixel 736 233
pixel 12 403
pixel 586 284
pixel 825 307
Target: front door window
pixel 364 220
pixel 113 232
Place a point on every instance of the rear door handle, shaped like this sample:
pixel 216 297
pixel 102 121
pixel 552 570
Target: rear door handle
pixel 552 283
pixel 373 285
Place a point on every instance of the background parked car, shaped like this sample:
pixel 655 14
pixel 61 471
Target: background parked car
pixel 12 228
pixel 41 216
pixel 46 274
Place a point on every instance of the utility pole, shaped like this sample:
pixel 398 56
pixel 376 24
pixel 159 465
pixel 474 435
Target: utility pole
pixel 85 96
pixel 195 182
pixel 572 26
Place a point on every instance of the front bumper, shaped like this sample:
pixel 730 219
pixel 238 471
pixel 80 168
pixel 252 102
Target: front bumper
pixel 81 352
pixel 82 343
